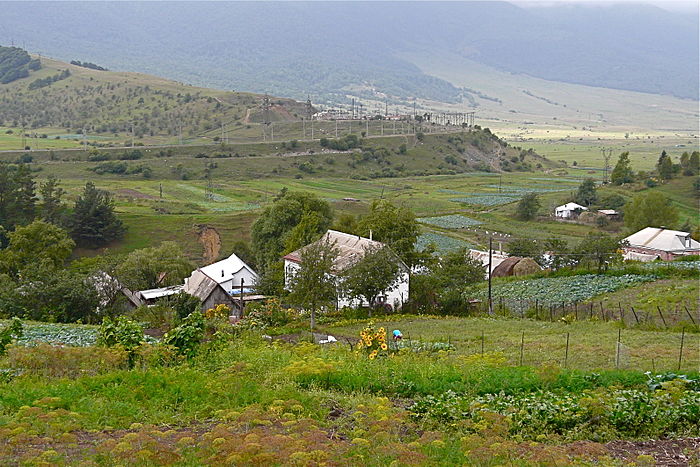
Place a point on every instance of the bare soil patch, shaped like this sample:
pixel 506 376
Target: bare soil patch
pixel 211 241
pixel 666 452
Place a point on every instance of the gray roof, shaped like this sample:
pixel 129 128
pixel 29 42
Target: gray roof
pixel 655 238
pixel 351 248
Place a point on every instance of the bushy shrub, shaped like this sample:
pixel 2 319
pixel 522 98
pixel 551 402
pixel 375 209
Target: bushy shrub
pixel 188 335
pixel 121 332
pixel 12 330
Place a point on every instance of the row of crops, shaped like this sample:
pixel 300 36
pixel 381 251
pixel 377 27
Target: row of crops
pixel 442 243
pixel 78 335
pixel 557 290
pixel 452 221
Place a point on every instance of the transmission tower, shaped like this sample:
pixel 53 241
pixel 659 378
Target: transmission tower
pixel 266 109
pixel 607 154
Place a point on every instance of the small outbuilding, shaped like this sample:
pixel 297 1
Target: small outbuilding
pixel 569 210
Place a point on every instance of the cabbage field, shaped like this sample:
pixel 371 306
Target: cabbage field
pixel 452 221
pixel 557 290
pixel 442 243
pixel 78 335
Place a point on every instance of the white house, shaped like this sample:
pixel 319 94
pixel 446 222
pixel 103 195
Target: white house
pixel 351 249
pixel 228 274
pixel 568 210
pixel 652 243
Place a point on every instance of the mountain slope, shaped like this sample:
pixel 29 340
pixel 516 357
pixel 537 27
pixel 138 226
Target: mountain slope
pixel 109 103
pixel 331 48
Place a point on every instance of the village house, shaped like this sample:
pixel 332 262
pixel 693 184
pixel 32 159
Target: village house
pixel 229 281
pixel 569 210
pixel 351 249
pixel 653 243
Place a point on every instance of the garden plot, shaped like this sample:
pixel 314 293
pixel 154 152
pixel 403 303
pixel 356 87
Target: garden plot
pixel 523 190
pixel 557 290
pixel 485 199
pixel 443 243
pixel 58 334
pixel 452 221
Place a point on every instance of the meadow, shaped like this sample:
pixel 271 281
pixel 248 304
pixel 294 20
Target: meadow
pixel 246 400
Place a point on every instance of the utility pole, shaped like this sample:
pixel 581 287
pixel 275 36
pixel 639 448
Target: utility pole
pixel 606 161
pixel 490 269
pixel 336 128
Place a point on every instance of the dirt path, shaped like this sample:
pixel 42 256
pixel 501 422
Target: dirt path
pixel 211 241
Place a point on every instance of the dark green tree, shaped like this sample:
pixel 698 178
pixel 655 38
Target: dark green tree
pixel 665 166
pixel 395 226
pixel 153 267
pixel 52 208
pixel 622 173
pixel 527 207
pixel 525 248
pixel 598 250
pixel 271 230
pixel 651 209
pixel 37 242
pixel 377 272
pixel 587 193
pixel 93 222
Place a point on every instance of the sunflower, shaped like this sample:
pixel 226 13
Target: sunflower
pixel 384 347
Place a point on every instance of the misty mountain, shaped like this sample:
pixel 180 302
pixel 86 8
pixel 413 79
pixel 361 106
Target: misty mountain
pixel 334 49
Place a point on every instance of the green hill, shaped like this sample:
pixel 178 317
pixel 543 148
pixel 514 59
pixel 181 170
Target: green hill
pixel 63 98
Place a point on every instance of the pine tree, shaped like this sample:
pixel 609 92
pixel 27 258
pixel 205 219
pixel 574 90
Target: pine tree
pixel 622 173
pixel 52 209
pixel 93 222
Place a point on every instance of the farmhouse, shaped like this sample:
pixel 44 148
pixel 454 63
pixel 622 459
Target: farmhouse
pixel 569 210
pixel 653 243
pixel 351 249
pixel 217 284
pixel 229 273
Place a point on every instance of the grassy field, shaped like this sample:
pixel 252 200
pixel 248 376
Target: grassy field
pixel 592 344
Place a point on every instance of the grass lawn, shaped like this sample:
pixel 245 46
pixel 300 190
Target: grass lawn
pixel 592 344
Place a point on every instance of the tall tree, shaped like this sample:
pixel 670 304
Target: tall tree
pixel 52 208
pixel 377 272
pixel 396 226
pixel 527 207
pixel 586 194
pixel 651 209
pixel 153 267
pixel 694 163
pixel 93 222
pixel 270 231
pixel 665 166
pixel 38 242
pixel 24 210
pixel 622 173
pixel 314 284
pixel 599 250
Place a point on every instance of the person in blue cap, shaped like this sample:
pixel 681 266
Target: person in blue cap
pixel 397 335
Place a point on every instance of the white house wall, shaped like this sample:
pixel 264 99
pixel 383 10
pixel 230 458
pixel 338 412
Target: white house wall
pixel 397 296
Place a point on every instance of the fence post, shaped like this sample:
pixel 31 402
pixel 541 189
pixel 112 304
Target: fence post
pixel 662 315
pixel 537 308
pixel 622 312
pixel 635 314
pixel 576 309
pixel 566 353
pixel 680 353
pixel 590 316
pixel 617 353
pixel 689 315
pixel 602 312
pixel 551 314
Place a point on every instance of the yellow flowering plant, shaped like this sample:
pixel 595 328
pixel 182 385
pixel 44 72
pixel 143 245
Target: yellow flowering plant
pixel 373 341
